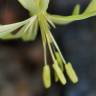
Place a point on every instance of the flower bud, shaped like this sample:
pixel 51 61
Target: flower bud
pixel 46 76
pixel 71 73
pixel 59 73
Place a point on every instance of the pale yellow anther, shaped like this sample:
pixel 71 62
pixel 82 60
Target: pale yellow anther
pixel 71 73
pixel 46 76
pixel 59 73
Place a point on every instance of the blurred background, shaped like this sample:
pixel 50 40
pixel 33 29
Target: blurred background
pixel 21 62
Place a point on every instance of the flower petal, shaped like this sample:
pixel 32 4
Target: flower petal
pixel 5 29
pixel 12 27
pixel 91 7
pixel 89 12
pixel 31 5
pixel 76 10
pixel 44 4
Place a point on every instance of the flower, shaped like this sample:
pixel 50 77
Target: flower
pixel 39 17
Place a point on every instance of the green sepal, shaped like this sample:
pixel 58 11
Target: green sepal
pixel 76 10
pixel 31 33
pixel 8 36
pixel 44 4
pixel 6 30
pixel 29 30
pixel 89 12
pixel 91 7
pixel 31 5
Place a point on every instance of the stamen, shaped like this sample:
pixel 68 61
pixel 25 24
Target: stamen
pixel 71 73
pixel 46 76
pixel 59 73
pixel 59 60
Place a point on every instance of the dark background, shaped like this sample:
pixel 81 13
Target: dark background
pixel 21 62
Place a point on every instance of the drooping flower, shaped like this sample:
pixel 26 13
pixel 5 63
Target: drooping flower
pixel 39 17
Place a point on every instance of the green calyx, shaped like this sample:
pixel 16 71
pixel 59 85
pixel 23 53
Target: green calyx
pixel 28 30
